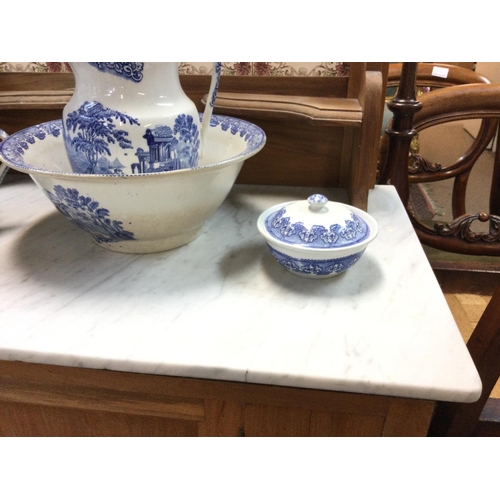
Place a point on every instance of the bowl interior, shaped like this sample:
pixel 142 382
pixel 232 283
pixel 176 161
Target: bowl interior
pixel 40 149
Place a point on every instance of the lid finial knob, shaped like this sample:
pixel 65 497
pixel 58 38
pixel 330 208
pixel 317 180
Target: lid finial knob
pixel 317 202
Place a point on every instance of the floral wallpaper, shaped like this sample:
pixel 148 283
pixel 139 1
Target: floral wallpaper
pixel 270 68
pixel 327 69
pixel 39 67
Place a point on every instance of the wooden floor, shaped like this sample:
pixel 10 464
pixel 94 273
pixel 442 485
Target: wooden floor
pixel 468 294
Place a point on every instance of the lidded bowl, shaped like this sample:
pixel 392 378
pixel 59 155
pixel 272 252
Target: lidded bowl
pixel 317 238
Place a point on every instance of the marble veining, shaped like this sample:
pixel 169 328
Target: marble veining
pixel 222 308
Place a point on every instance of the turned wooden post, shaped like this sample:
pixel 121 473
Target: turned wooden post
pixel 401 132
pixel 495 181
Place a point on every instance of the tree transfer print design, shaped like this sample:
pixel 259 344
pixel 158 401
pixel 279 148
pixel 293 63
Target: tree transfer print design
pixel 92 133
pixel 95 129
pixel 86 214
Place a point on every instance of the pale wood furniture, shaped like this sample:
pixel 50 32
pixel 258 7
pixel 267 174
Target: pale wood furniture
pixel 325 134
pixel 41 400
pixel 30 98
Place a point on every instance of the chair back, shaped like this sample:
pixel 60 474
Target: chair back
pixel 402 166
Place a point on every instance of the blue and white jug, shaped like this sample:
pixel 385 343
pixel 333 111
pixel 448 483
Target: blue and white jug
pixel 132 118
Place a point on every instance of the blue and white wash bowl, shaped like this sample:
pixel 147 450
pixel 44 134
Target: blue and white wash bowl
pixel 136 213
pixel 317 238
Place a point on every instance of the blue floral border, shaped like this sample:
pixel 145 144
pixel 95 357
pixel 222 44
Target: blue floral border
pixel 352 232
pixel 13 148
pixel 314 266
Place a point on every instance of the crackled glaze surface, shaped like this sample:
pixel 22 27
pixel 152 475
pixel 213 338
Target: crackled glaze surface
pixel 220 308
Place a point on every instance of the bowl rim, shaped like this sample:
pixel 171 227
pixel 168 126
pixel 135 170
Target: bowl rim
pixel 356 247
pixel 47 127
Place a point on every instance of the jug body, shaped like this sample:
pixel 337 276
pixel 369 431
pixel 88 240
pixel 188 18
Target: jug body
pixel 130 118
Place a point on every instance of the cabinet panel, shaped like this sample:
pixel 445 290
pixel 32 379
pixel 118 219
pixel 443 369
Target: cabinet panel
pixel 324 424
pixel 20 419
pixel 222 418
pixel 47 400
pixel 264 420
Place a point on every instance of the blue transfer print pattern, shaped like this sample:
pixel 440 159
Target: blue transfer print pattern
pixel 317 202
pixel 169 149
pixel 354 231
pixel 14 148
pixel 91 130
pixel 313 266
pixel 217 69
pixel 94 131
pixel 85 212
pixel 130 70
pixel 253 135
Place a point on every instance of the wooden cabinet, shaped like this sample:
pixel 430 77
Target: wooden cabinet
pixel 46 400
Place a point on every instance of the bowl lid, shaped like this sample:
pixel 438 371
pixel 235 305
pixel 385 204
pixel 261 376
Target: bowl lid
pixel 317 223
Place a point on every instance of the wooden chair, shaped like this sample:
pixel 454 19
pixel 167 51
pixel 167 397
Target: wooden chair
pixel 450 419
pixel 429 76
pixel 483 417
pixel 455 102
pixel 475 101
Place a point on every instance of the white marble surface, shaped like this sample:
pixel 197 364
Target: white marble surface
pixel 222 308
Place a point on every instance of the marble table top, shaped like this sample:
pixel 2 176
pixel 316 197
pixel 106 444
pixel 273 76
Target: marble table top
pixel 221 308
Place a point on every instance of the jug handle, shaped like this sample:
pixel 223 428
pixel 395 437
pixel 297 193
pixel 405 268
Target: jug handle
pixel 3 168
pixel 209 105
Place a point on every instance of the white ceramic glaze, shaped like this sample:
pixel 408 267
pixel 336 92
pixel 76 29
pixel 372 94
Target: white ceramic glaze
pixel 3 167
pixel 317 238
pixel 132 118
pixel 136 213
pixel 209 106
